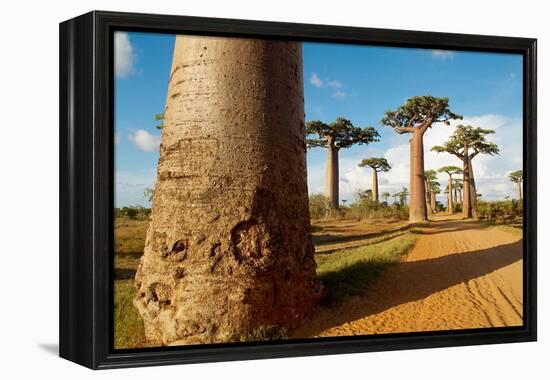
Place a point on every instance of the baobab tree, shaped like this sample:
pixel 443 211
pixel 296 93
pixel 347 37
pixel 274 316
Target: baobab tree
pixel 450 170
pixel 386 195
pixel 415 117
pixel 466 143
pixel 231 181
pixel 457 185
pixel 517 178
pixel 431 184
pixel 377 165
pixel 403 194
pixel 335 136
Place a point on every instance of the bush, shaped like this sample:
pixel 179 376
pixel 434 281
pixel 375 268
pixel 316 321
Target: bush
pixel 499 211
pixel 133 212
pixel 318 206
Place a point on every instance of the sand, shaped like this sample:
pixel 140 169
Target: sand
pixel 459 275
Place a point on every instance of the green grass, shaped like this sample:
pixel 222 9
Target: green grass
pixel 349 272
pixel 514 226
pixel 129 332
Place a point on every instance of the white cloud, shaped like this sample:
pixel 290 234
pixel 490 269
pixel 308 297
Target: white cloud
pixel 144 140
pixel 315 80
pixel 443 54
pixel 490 171
pixel 334 84
pixel 124 55
pixel 339 95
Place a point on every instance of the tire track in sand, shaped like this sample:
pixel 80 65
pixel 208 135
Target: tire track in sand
pixel 459 275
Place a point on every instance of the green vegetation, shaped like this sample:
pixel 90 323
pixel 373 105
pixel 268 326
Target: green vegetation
pixel 500 212
pixel 349 272
pixel 129 332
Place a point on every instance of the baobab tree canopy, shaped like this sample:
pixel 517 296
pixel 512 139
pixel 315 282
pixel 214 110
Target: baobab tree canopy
pixel 468 137
pixel 450 170
pixel 419 113
pixel 341 133
pixel 378 164
pixel 516 176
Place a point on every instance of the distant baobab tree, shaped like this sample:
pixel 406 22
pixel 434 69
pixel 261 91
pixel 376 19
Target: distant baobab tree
pixel 450 170
pixel 457 185
pixel 415 117
pixel 377 165
pixel 431 184
pixel 517 178
pixel 386 195
pixel 335 136
pixel 466 143
pixel 403 194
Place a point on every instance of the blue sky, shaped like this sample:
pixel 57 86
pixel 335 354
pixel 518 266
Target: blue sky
pixel 359 83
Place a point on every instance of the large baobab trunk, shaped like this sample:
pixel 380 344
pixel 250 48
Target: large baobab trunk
pixel 228 248
pixel 450 205
pixel 374 185
pixel 518 186
pixel 467 189
pixel 417 208
pixel 473 191
pixel 332 175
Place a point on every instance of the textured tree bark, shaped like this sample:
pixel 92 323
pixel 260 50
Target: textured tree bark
pixel 374 185
pixel 450 205
pixel 228 249
pixel 332 175
pixel 417 209
pixel 467 204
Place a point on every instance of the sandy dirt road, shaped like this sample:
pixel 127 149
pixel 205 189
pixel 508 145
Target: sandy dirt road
pixel 459 275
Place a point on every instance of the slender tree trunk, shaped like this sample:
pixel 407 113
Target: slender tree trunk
pixel 450 206
pixel 427 196
pixel 455 195
pixel 473 191
pixel 374 185
pixel 332 174
pixel 518 186
pixel 417 207
pixel 433 200
pixel 467 203
pixel 460 196
pixel 231 183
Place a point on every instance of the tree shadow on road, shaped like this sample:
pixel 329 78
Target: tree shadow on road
pixel 412 281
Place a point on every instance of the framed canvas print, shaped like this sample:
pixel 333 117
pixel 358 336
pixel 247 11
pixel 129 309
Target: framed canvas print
pixel 238 189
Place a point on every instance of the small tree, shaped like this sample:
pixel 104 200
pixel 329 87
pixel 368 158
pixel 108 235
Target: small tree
pixel 160 118
pixel 148 193
pixel 335 136
pixel 377 165
pixel 403 196
pixel 450 170
pixel 386 195
pixel 466 143
pixel 517 178
pixel 415 117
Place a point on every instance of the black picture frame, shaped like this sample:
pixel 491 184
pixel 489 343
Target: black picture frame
pixel 86 188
